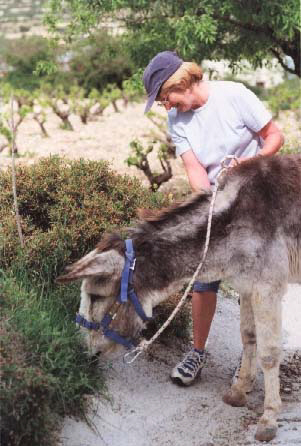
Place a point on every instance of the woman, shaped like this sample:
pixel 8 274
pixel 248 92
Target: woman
pixel 207 120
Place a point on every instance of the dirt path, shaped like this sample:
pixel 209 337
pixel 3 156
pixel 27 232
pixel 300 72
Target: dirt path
pixel 146 409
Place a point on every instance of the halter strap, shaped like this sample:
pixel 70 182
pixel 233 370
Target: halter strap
pixel 79 319
pixel 127 292
pixel 129 263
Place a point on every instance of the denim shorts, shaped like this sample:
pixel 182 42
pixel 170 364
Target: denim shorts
pixel 201 286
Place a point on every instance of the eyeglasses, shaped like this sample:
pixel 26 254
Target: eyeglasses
pixel 163 103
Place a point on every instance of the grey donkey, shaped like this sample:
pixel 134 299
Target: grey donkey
pixel 255 246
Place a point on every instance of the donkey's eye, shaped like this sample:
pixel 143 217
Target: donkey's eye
pixel 101 281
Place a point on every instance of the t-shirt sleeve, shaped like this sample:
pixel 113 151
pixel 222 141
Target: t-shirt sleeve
pixel 252 111
pixel 177 135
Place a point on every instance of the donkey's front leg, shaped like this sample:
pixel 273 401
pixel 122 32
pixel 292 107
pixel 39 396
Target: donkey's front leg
pixel 236 395
pixel 267 313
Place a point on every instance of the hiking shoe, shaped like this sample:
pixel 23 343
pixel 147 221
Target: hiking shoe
pixel 187 370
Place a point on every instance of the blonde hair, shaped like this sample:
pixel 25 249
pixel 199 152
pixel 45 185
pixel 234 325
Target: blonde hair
pixel 188 74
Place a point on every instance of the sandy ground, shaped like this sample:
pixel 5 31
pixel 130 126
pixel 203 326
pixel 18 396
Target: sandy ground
pixel 107 138
pixel 146 409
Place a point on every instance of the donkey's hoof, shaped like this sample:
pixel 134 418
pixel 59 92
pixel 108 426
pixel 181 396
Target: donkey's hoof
pixel 235 398
pixel 265 432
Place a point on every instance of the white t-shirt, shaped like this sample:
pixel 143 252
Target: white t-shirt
pixel 227 124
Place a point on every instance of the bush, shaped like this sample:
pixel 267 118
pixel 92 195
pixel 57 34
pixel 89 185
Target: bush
pixel 25 392
pixel 23 55
pixel 92 63
pixel 100 60
pixel 285 96
pixel 65 207
pixel 45 371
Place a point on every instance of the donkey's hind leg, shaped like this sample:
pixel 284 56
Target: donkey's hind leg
pixel 267 313
pixel 236 395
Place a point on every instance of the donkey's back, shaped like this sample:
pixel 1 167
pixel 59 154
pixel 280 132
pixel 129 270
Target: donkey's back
pixel 269 202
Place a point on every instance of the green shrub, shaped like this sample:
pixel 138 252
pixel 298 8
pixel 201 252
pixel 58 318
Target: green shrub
pixel 22 55
pixel 45 371
pixel 285 96
pixel 26 417
pixel 65 207
pixel 287 149
pixel 99 60
pixel 92 62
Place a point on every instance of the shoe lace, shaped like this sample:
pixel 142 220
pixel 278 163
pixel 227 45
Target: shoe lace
pixel 192 361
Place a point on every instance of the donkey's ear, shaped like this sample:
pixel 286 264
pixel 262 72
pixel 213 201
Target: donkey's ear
pixel 93 264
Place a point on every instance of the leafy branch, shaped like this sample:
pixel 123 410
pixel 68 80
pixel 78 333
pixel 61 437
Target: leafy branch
pixel 166 150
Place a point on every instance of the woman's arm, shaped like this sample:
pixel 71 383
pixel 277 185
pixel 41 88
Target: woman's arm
pixel 273 139
pixel 196 173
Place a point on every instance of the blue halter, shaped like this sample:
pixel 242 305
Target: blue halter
pixel 127 292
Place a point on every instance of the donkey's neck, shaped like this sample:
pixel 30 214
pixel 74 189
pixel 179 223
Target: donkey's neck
pixel 167 257
pixel 170 245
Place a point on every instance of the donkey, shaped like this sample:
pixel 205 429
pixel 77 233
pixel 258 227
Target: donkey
pixel 255 246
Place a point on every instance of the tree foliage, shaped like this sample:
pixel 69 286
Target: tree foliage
pixel 232 29
pixel 92 62
pixel 23 55
pixel 98 60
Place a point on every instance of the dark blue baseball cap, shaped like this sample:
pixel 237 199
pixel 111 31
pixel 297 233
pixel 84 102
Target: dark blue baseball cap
pixel 160 68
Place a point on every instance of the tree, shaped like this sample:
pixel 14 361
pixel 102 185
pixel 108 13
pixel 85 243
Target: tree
pixel 23 55
pixel 16 106
pixel 197 29
pixel 98 60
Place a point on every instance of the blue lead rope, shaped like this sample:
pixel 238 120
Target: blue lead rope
pixel 127 292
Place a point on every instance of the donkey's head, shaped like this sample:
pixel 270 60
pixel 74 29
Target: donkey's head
pixel 106 315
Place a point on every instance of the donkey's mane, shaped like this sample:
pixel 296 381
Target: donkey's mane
pixel 153 216
pixel 150 219
pixel 111 241
pixel 252 171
